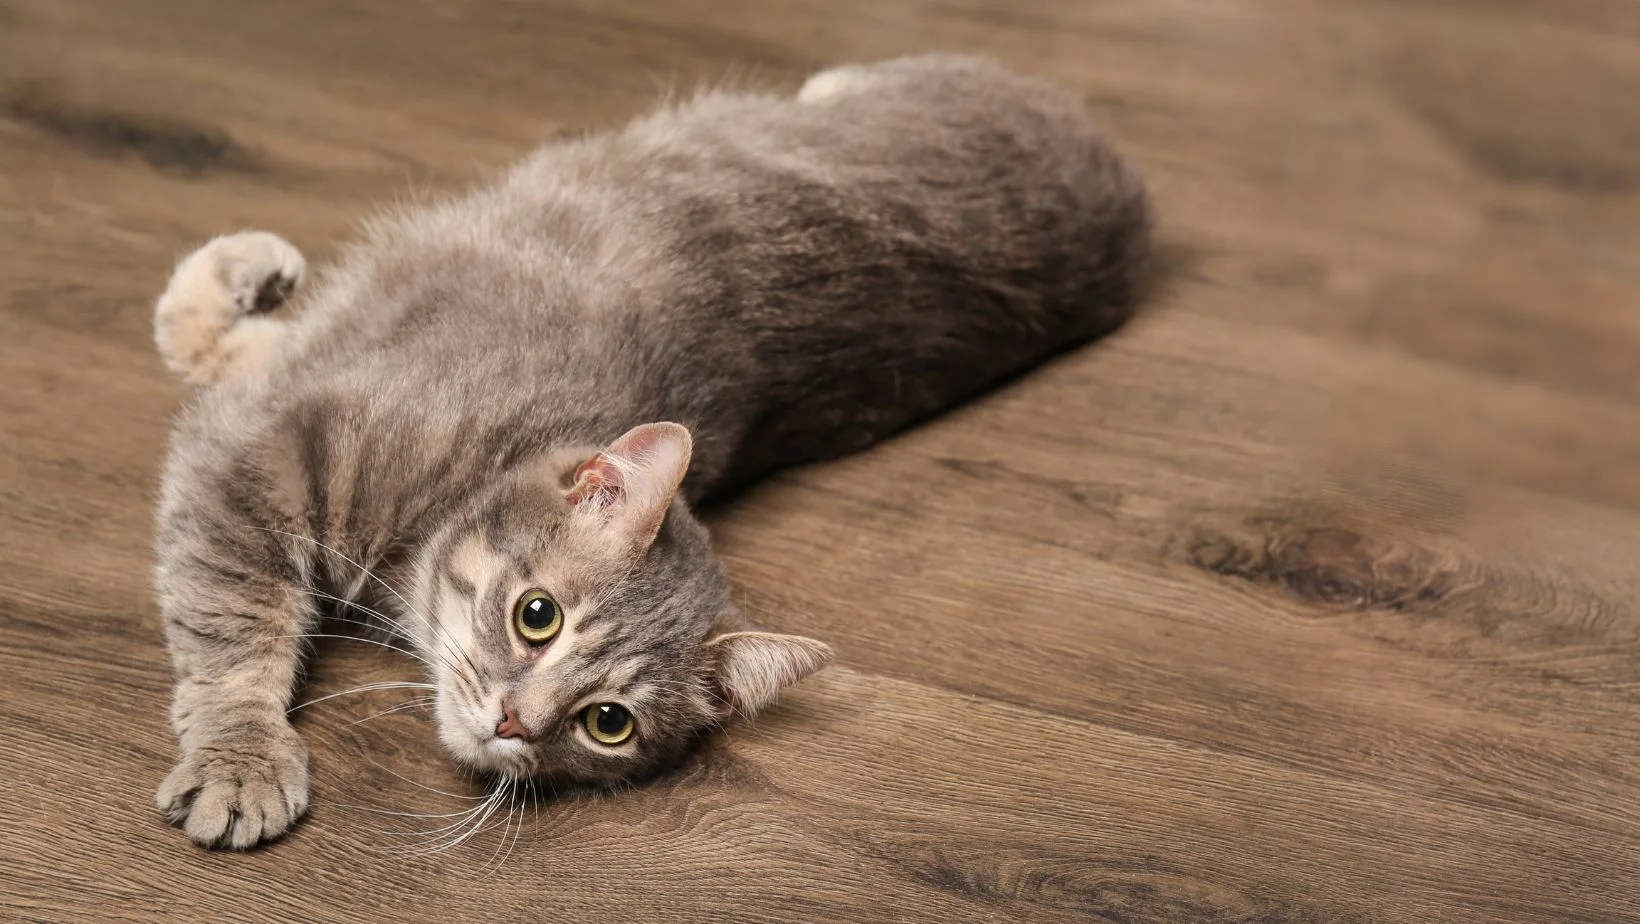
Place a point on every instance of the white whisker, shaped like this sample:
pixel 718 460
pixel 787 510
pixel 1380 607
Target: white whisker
pixel 356 638
pixel 523 803
pixel 535 800
pixel 431 625
pixel 399 629
pixel 429 816
pixel 419 702
pixel 462 836
pixel 370 687
pixel 439 835
pixel 425 786
pixel 435 834
pixel 494 861
pixel 372 575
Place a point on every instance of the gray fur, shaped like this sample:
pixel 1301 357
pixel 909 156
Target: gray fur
pixel 790 279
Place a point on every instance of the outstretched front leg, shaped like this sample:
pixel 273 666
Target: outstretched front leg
pixel 210 323
pixel 237 616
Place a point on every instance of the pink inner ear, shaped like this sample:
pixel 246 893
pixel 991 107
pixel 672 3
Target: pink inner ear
pixel 600 475
pixel 640 441
pixel 592 477
pixel 633 480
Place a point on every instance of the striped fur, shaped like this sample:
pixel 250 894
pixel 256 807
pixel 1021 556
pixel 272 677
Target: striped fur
pixel 452 414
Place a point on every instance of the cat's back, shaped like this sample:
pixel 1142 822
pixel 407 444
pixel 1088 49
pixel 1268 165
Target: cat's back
pixel 942 163
pixel 832 267
pixel 792 277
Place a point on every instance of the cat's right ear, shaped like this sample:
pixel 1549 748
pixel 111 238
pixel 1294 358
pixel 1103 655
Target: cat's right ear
pixel 629 486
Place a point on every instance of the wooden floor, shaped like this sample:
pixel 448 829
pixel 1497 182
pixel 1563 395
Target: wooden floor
pixel 1311 596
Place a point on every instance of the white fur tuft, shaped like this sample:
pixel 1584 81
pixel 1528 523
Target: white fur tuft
pixel 753 667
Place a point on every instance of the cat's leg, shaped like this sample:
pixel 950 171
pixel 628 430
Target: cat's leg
pixel 209 323
pixel 236 629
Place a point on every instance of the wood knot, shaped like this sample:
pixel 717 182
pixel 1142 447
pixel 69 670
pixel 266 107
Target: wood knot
pixel 167 144
pixel 1332 566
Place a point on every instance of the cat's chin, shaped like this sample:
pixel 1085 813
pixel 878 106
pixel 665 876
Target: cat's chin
pixel 513 763
pixel 506 757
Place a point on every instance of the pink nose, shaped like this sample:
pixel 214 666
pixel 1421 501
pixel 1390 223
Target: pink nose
pixel 510 727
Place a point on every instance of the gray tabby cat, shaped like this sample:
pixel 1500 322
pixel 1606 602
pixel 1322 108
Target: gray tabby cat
pixel 465 407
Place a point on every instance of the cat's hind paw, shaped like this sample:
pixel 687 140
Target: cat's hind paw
pixel 203 322
pixel 238 791
pixel 834 82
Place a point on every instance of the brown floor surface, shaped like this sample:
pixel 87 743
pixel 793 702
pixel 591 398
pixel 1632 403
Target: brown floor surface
pixel 1311 596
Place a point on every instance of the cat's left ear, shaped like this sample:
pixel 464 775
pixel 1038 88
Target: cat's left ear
pixel 751 668
pixel 630 485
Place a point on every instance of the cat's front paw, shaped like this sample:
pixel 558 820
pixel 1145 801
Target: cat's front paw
pixel 236 791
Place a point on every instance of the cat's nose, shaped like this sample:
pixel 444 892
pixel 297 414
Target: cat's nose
pixel 510 727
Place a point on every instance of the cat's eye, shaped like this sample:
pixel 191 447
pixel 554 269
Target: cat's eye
pixel 537 617
pixel 609 723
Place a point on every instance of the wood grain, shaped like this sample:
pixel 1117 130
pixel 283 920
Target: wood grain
pixel 1310 596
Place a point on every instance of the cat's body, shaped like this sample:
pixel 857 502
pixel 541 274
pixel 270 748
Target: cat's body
pixel 787 279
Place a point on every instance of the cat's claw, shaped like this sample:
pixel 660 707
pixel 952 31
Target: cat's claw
pixel 236 793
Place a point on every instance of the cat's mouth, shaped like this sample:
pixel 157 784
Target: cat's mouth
pixel 504 757
pixel 475 744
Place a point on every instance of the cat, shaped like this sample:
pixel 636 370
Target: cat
pixel 490 422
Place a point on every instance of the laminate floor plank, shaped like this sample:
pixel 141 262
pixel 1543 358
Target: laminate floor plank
pixel 1308 596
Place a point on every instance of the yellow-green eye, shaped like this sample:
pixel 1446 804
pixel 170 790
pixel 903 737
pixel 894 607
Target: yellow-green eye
pixel 609 723
pixel 537 617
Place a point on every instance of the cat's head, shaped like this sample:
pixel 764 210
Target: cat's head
pixel 579 625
